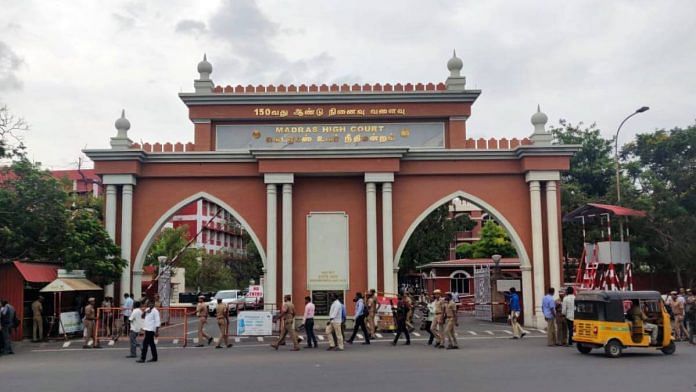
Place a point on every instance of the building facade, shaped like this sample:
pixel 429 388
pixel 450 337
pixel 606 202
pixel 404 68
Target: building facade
pixel 314 173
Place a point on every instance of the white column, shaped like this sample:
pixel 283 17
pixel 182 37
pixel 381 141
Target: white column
pixel 110 223
pixel 527 296
pixel 126 233
pixel 137 284
pixel 371 193
pixel 537 250
pixel 269 292
pixel 390 278
pixel 287 239
pixel 552 231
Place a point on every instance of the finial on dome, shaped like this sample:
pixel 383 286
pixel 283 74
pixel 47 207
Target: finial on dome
pixel 121 141
pixel 540 135
pixel 205 68
pixel 455 65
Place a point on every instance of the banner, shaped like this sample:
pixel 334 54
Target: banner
pixel 327 251
pixel 71 322
pixel 258 323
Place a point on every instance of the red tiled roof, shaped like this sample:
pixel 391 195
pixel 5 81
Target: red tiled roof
pixel 75 174
pixel 593 209
pixel 334 88
pixel 37 272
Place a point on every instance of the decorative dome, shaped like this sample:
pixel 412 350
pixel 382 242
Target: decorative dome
pixel 122 124
pixel 455 64
pixel 539 118
pixel 204 67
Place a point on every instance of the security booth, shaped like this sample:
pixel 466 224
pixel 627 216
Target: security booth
pixel 70 290
pixel 20 282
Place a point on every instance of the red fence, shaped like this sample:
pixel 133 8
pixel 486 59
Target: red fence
pixel 174 324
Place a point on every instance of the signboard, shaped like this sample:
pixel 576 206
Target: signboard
pixel 255 291
pixel 257 323
pixel 320 299
pixel 330 135
pixel 327 251
pixel 503 285
pixel 482 296
pixel 70 322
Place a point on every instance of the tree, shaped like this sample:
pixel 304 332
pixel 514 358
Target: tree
pixel 169 243
pixel 11 127
pixel 494 241
pixel 431 239
pixel 662 166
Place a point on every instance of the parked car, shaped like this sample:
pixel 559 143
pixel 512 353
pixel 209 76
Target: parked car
pixel 233 298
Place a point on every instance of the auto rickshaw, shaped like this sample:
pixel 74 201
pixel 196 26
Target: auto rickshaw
pixel 609 319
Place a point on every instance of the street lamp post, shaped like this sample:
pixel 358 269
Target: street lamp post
pixel 616 158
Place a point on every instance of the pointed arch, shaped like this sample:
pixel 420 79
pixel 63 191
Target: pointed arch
pixel 157 227
pixel 514 237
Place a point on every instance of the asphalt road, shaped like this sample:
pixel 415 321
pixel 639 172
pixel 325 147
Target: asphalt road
pixel 484 363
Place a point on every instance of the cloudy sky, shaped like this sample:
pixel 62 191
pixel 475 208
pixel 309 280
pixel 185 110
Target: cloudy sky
pixel 69 67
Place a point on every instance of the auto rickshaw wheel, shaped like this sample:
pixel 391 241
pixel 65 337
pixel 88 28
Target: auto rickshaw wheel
pixel 670 348
pixel 583 349
pixel 613 348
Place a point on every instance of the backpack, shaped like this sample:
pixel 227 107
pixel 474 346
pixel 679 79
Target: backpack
pixel 15 321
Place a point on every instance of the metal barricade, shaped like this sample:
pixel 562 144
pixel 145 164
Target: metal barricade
pixel 111 325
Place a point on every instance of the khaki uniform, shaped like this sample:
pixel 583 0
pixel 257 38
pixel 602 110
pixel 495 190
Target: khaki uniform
pixel 288 325
pixel 222 312
pixel 202 314
pixel 409 315
pixel 90 319
pixel 438 320
pixel 37 310
pixel 371 311
pixel 451 314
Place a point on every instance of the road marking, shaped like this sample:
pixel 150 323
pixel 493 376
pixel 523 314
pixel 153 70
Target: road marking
pixel 175 341
pixel 541 330
pixel 90 342
pixel 360 336
pixel 216 340
pixel 259 338
pixel 111 342
pixel 416 334
pixel 379 335
pixel 66 344
pixel 321 337
pixel 489 332
pixel 195 340
pixel 237 340
pixel 156 341
pixel 507 332
pixel 473 333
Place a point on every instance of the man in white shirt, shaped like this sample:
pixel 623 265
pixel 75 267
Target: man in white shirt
pixel 151 326
pixel 568 311
pixel 334 324
pixel 127 311
pixel 136 324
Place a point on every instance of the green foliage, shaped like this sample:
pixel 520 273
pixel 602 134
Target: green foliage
pixel 494 240
pixel 37 224
pixel 214 274
pixel 431 239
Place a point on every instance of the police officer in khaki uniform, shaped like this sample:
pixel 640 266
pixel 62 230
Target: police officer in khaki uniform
pixel 371 312
pixel 202 314
pixel 287 315
pixel 89 323
pixel 37 313
pixel 222 312
pixel 438 319
pixel 451 322
pixel 409 316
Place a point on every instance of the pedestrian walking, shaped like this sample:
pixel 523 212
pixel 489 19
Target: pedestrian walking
pixel 151 327
pixel 548 307
pixel 400 312
pixel 222 313
pixel 135 322
pixel 8 315
pixel 690 314
pixel 438 319
pixel 409 315
pixel 127 310
pixel 202 314
pixel 308 321
pixel 89 324
pixel 37 318
pixel 515 310
pixel 429 320
pixel 360 315
pixel 451 322
pixel 371 312
pixel 287 314
pixel 677 306
pixel 568 310
pixel 561 326
pixel 108 316
pixel 333 326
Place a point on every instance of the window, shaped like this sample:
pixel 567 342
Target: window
pixel 459 283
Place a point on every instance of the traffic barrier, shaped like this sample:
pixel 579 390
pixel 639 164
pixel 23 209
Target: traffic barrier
pixel 110 324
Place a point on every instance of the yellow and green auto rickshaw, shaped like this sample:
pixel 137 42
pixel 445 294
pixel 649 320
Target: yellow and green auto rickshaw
pixel 617 320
